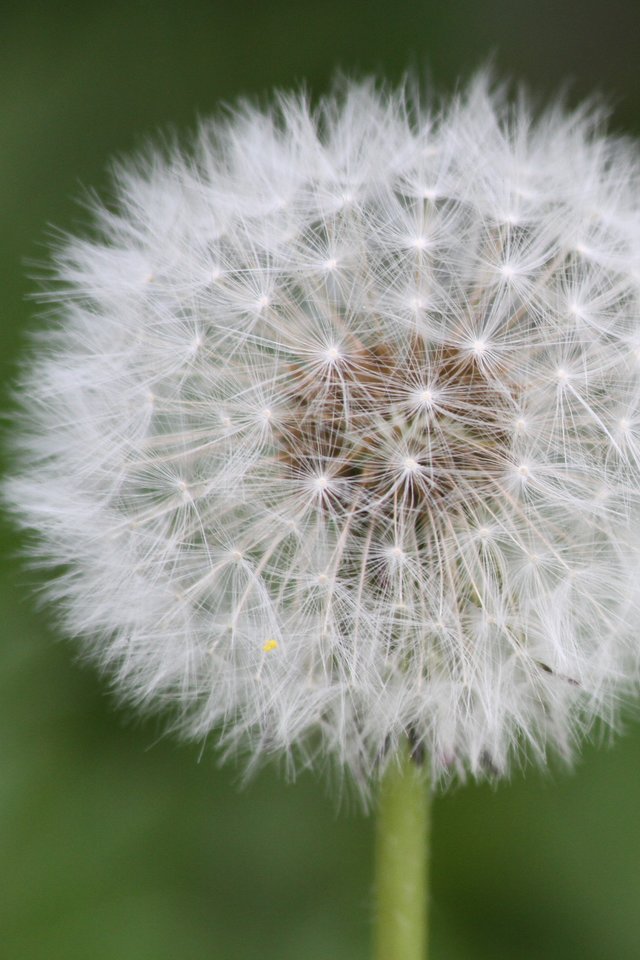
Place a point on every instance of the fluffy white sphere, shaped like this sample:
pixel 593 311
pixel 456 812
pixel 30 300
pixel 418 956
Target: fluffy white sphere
pixel 336 439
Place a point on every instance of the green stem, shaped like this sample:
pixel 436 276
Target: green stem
pixel 402 852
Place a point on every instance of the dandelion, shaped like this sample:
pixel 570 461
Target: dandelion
pixel 335 444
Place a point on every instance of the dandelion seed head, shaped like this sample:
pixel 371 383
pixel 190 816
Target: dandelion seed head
pixel 334 440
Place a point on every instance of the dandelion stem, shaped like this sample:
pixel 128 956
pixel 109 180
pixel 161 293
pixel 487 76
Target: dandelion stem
pixel 402 861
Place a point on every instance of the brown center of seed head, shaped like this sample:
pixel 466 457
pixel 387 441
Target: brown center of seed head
pixel 414 429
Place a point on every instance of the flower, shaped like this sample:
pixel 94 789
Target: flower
pixel 336 438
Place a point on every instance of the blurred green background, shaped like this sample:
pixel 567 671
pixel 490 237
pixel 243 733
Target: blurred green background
pixel 117 844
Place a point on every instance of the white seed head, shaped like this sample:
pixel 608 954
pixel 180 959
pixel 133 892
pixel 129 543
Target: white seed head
pixel 317 503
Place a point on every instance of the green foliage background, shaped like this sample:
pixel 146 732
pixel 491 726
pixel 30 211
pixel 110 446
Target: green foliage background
pixel 117 844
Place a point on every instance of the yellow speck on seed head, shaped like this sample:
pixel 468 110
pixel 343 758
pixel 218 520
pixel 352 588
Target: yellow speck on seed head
pixel 270 645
